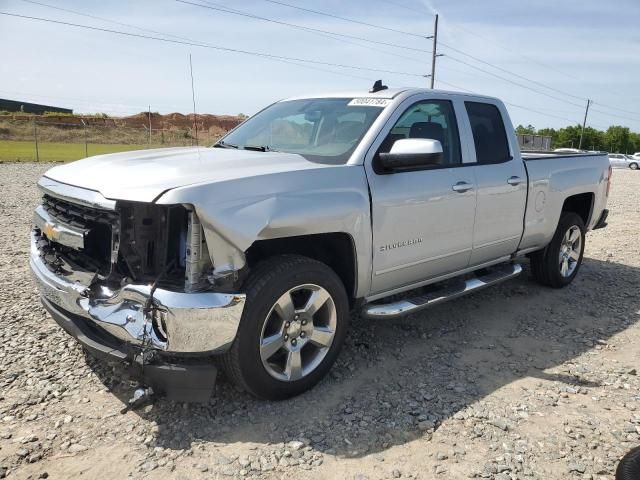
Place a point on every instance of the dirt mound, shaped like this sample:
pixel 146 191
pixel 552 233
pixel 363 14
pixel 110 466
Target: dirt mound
pixel 171 121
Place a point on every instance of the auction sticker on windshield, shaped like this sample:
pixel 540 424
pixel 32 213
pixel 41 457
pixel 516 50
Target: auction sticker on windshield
pixel 369 102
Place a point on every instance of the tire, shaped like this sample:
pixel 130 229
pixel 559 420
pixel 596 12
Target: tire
pixel 633 166
pixel 629 466
pixel 281 349
pixel 547 264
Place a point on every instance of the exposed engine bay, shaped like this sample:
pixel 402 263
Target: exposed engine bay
pixel 138 243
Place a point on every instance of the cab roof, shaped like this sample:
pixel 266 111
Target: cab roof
pixel 389 93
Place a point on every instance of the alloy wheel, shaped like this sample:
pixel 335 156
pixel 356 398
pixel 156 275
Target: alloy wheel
pixel 298 332
pixel 570 249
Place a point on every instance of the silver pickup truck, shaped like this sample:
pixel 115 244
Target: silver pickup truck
pixel 251 254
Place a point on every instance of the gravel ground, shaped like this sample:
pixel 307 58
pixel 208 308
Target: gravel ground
pixel 515 382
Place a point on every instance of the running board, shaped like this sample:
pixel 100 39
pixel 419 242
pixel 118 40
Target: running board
pixel 420 302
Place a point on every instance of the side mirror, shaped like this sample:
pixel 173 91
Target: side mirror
pixel 411 153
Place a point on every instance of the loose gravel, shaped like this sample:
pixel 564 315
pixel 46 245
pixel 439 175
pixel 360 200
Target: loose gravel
pixel 515 382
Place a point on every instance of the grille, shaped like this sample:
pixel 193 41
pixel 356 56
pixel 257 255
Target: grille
pixel 99 224
pixel 77 215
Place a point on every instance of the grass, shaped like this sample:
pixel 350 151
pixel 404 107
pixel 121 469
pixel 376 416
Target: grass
pixel 19 151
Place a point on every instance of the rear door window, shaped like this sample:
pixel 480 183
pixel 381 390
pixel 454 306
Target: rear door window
pixel 489 135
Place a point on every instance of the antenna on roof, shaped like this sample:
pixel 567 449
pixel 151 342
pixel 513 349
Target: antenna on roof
pixel 378 86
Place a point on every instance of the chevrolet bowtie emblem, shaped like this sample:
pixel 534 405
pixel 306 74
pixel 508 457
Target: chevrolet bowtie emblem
pixel 50 231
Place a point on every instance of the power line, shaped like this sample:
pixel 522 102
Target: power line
pixel 103 19
pixel 512 81
pixel 407 7
pixel 528 109
pixel 532 81
pixel 457 87
pixel 471 32
pixel 465 63
pixel 619 110
pixel 324 33
pixel 325 14
pixel 510 72
pixel 537 91
pixel 213 47
pixel 535 82
pixel 532 89
pixel 613 114
pixel 290 60
pixel 520 54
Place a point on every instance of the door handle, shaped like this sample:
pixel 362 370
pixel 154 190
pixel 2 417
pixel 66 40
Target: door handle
pixel 514 180
pixel 462 187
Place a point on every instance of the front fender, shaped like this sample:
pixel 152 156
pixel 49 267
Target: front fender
pixel 236 213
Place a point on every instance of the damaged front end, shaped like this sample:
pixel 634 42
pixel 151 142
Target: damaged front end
pixel 134 282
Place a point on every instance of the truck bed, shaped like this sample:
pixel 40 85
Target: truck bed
pixel 544 155
pixel 562 175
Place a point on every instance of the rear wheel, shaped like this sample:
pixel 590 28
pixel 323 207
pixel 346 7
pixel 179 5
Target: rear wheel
pixel 292 328
pixel 557 265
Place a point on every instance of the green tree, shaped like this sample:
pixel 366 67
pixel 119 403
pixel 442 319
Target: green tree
pixel 634 143
pixel 593 139
pixel 616 139
pixel 568 137
pixel 528 130
pixel 548 132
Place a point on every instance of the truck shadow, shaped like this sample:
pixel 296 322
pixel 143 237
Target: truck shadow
pixel 397 381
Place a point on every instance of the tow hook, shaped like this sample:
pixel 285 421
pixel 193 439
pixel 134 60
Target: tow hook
pixel 142 396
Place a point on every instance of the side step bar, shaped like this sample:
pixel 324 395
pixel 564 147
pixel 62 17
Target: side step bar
pixel 414 304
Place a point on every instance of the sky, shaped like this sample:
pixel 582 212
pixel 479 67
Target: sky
pixel 544 58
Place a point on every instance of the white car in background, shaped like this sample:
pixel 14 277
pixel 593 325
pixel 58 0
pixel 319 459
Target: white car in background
pixel 619 160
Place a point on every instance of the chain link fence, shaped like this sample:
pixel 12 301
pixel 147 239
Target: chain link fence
pixel 38 139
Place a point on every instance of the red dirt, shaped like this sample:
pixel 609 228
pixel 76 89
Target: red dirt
pixel 141 120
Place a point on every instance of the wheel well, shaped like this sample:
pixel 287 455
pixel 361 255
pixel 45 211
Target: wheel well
pixel 581 204
pixel 333 249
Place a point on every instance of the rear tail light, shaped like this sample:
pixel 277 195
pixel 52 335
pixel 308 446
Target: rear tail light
pixel 609 180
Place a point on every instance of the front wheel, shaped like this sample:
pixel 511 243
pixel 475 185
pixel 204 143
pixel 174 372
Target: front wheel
pixel 633 166
pixel 629 466
pixel 292 328
pixel 558 264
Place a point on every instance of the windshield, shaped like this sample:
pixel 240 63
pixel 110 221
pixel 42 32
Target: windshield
pixel 322 129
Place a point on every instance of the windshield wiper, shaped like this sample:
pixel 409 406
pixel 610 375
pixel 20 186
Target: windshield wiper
pixel 222 144
pixel 259 148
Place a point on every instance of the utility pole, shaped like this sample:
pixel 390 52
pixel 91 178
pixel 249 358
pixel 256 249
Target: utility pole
pixel 434 54
pixel 584 123
pixel 193 97
pixel 149 135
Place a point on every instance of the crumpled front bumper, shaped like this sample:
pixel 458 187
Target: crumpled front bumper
pixel 187 379
pixel 170 340
pixel 201 322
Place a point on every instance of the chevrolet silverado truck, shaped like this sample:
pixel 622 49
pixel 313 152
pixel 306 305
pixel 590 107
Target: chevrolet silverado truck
pixel 250 255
